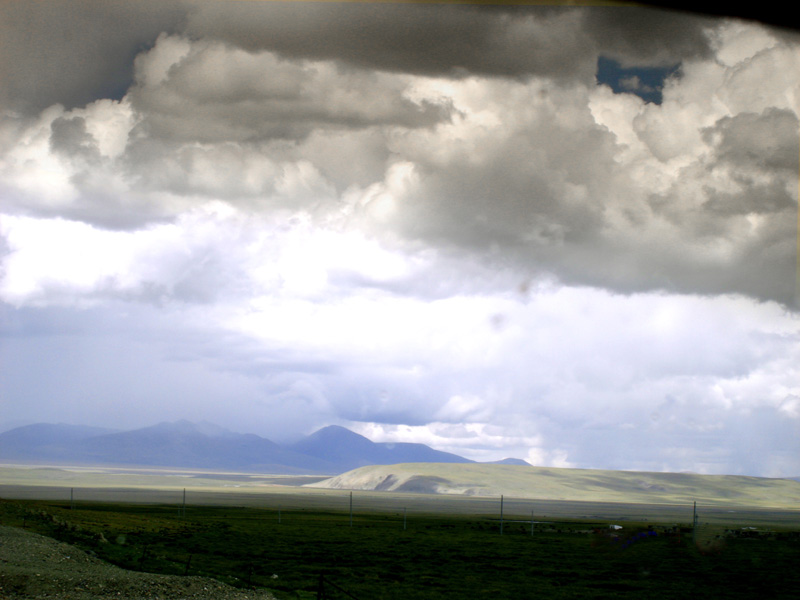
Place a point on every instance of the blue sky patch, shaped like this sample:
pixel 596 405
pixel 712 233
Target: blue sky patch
pixel 645 82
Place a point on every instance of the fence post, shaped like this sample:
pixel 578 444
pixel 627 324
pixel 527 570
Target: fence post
pixel 501 514
pixel 321 588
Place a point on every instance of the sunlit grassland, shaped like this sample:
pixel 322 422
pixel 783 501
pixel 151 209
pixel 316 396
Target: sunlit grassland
pixel 592 485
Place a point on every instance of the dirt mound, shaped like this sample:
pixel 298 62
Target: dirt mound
pixel 33 566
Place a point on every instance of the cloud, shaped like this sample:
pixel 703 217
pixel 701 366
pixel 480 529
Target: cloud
pixel 214 93
pixel 529 174
pixel 473 243
pixel 418 39
pixel 635 84
pixel 81 51
pixel 560 43
pixel 765 141
pixel 649 37
pixel 72 53
pixel 189 261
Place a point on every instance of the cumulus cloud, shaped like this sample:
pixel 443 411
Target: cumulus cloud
pixel 214 93
pixel 691 195
pixel 424 222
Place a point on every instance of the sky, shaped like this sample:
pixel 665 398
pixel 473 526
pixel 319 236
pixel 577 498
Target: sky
pixel 563 234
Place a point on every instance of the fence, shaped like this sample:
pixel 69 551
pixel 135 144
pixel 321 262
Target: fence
pixel 403 507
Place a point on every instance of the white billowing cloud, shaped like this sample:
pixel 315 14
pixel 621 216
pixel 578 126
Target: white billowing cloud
pixel 739 41
pixel 636 85
pixel 73 164
pixel 714 186
pixel 541 457
pixel 55 261
pixel 565 179
pixel 209 92
pixel 565 363
pixel 211 253
pixel 332 322
pixel 476 441
pixel 30 169
pixel 764 81
pixel 529 266
pixel 627 195
pixel 206 122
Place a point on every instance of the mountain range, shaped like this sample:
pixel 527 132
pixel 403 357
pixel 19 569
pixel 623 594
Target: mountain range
pixel 330 450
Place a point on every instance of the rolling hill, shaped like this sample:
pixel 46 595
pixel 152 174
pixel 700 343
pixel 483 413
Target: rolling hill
pixel 570 484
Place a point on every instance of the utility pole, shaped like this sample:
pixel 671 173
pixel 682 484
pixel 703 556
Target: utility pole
pixel 351 509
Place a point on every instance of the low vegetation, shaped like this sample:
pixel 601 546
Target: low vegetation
pixel 380 555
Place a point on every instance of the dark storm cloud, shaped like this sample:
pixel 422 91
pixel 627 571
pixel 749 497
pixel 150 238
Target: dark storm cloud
pixel 72 52
pixel 519 41
pixel 420 39
pixel 647 37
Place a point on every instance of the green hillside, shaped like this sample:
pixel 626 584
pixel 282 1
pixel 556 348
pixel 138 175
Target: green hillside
pixel 570 484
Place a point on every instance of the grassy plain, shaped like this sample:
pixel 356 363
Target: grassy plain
pixel 402 545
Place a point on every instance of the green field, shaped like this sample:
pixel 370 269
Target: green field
pixel 436 555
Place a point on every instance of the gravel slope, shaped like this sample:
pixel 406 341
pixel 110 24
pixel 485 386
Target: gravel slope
pixel 33 567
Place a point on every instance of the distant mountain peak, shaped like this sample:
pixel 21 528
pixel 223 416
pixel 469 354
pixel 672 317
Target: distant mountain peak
pixel 184 426
pixel 212 430
pixel 334 440
pixel 337 431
